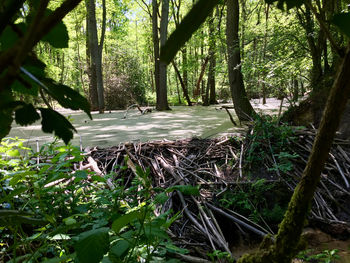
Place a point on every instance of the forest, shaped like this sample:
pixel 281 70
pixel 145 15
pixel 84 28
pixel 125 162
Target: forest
pixel 272 186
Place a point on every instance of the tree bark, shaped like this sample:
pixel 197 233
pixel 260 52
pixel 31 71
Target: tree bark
pixel 243 108
pixel 200 78
pixel 184 68
pixel 162 96
pixel 155 46
pixel 288 237
pixel 93 97
pixel 267 7
pixel 212 61
pixel 183 86
pixel 96 51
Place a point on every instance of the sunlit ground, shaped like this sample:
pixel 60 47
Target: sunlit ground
pixel 111 129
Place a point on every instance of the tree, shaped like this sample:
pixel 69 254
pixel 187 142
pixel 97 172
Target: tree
pixel 210 95
pixel 159 66
pixel 95 52
pixel 184 78
pixel 243 108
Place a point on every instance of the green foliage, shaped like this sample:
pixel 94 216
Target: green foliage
pixel 342 22
pixel 191 22
pixel 218 254
pixel 126 83
pixel 92 245
pixel 289 4
pixel 326 256
pixel 269 138
pixel 58 36
pixel 252 201
pixel 32 77
pixel 52 212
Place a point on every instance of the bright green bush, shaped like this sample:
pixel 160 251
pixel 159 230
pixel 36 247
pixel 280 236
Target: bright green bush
pixel 53 212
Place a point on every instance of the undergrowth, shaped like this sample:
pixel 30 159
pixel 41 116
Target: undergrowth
pixel 53 212
pixel 267 153
pixel 253 201
pixel 269 142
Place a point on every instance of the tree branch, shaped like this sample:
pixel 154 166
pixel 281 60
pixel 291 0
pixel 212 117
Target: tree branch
pixel 37 30
pixel 9 12
pixel 325 29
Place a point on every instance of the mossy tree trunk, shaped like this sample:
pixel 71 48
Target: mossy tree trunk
pixel 288 238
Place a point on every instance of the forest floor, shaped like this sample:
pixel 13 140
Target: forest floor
pixel 110 129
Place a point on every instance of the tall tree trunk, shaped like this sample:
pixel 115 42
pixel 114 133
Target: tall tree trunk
pixel 243 108
pixel 80 64
pixel 212 61
pixel 197 91
pixel 155 46
pixel 162 96
pixel 100 88
pixel 287 240
pixel 96 50
pixel 263 85
pixel 91 70
pixel 295 89
pixel 185 68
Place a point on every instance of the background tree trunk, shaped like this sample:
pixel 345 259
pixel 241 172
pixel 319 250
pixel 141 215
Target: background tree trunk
pixel 183 86
pixel 93 97
pixel 96 51
pixel 162 97
pixel 243 108
pixel 212 61
pixel 155 45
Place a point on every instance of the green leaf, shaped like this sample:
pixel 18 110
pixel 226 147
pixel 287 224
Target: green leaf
pixel 174 249
pixel 25 90
pixel 154 231
pixel 17 191
pixel 122 221
pixel 67 97
pixel 62 259
pixel 97 178
pixel 58 36
pixel 8 37
pixel 92 245
pixel 119 250
pixel 185 189
pixel 161 198
pixel 35 66
pixel 26 115
pixel 69 221
pixel 192 21
pixel 13 153
pixel 342 21
pixel 5 112
pixel 54 122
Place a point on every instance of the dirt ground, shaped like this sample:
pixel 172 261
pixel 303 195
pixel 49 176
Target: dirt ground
pixel 111 129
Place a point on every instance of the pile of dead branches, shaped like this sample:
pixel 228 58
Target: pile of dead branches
pixel 331 205
pixel 217 165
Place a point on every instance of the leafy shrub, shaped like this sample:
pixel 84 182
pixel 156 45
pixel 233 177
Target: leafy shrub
pixel 54 212
pixel 251 201
pixel 125 82
pixel 326 256
pixel 270 139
